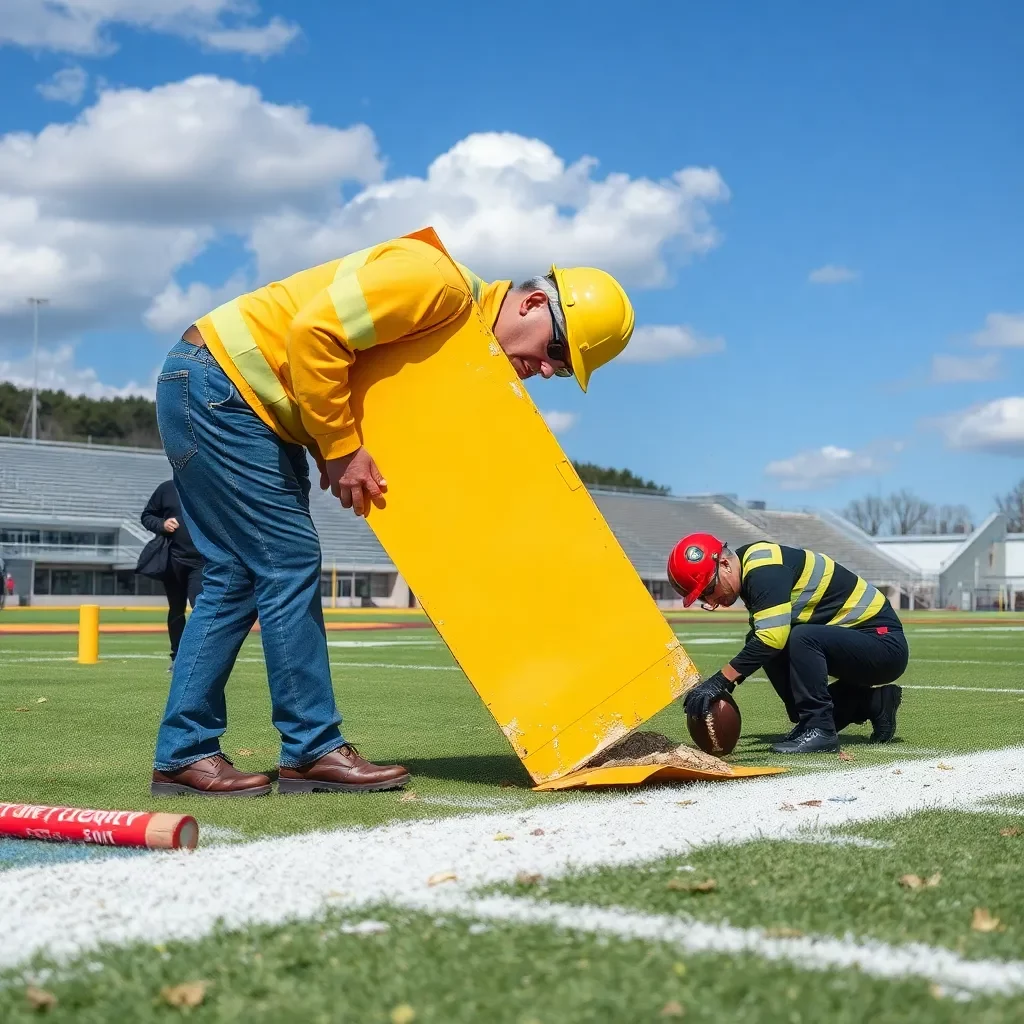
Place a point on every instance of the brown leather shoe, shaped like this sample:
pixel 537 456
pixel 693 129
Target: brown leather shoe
pixel 341 771
pixel 212 776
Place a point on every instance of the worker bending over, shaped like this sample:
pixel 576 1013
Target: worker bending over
pixel 247 391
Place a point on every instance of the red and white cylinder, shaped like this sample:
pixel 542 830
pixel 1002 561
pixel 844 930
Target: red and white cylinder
pixel 152 830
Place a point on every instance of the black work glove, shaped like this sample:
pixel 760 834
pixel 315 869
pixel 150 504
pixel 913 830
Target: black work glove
pixel 699 700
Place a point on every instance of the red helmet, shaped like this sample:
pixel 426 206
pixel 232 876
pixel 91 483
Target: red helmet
pixel 693 564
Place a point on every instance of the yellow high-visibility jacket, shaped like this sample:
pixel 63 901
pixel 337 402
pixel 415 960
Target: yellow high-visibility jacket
pixel 288 347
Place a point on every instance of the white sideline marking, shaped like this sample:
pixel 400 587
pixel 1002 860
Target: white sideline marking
pixel 965 661
pixel 967 629
pixel 816 953
pixel 383 643
pixel 696 641
pixel 964 689
pixel 70 908
pixel 71 658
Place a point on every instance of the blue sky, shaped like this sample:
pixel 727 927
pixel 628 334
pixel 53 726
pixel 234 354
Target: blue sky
pixel 818 211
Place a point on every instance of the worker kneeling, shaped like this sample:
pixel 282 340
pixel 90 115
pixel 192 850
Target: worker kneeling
pixel 810 618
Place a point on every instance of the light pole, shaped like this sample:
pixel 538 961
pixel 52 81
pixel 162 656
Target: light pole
pixel 35 303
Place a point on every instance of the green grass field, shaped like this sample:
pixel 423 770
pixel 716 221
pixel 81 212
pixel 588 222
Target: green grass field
pixel 83 735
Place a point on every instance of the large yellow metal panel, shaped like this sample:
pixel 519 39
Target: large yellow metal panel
pixel 490 525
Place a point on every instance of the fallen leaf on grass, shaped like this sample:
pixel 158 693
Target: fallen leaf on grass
pixel 527 878
pixel 537 832
pixel 365 928
pixel 844 756
pixel 810 803
pixel 1011 831
pixel 917 882
pixel 39 999
pixel 783 933
pixel 672 1009
pixel 503 837
pixel 185 996
pixel 442 876
pixel 403 1014
pixel 21 709
pixel 708 885
pixel 407 798
pixel 42 700
pixel 944 767
pixel 983 921
pixel 246 752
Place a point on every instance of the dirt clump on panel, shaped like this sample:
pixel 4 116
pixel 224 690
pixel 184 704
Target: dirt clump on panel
pixel 642 748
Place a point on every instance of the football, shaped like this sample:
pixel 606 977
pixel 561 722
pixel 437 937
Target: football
pixel 720 732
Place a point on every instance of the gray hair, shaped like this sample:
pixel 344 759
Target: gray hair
pixel 550 289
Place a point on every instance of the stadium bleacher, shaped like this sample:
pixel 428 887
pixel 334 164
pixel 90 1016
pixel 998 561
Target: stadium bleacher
pixel 92 483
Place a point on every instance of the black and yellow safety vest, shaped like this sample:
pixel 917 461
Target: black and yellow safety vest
pixel 784 587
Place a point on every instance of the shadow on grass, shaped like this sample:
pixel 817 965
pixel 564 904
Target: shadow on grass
pixel 483 769
pixel 846 739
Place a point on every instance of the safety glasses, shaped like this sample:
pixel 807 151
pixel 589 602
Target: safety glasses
pixel 558 347
pixel 706 593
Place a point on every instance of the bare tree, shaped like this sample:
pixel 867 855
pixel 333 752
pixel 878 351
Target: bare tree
pixel 943 519
pixel 1012 506
pixel 868 513
pixel 907 512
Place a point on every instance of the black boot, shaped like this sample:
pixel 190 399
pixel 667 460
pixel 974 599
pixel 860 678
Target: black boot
pixel 809 741
pixel 886 699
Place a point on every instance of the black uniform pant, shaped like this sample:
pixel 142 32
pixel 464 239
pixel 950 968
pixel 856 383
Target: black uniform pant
pixel 858 659
pixel 183 582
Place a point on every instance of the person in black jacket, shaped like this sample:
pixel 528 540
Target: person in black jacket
pixel 184 579
pixel 810 619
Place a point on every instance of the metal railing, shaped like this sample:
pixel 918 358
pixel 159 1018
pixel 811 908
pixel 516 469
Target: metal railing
pixel 72 552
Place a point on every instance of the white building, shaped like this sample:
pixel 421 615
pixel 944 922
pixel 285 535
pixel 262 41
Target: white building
pixel 980 570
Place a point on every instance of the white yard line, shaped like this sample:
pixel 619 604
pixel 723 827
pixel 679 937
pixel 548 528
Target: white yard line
pixel 963 689
pixel 812 952
pixel 335 663
pixel 383 643
pixel 74 907
pixel 994 663
pixel 965 629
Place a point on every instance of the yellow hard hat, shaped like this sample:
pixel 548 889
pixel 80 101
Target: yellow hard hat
pixel 598 317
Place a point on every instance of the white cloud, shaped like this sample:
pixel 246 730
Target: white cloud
pixel 1001 330
pixel 255 41
pixel 82 26
pixel 509 206
pixel 820 467
pixel 97 214
pixel 964 369
pixel 93 273
pixel 832 274
pixel 65 86
pixel 656 343
pixel 996 427
pixel 206 150
pixel 100 213
pixel 176 307
pixel 58 372
pixel 560 422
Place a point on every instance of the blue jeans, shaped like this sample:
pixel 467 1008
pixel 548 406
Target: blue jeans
pixel 245 496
